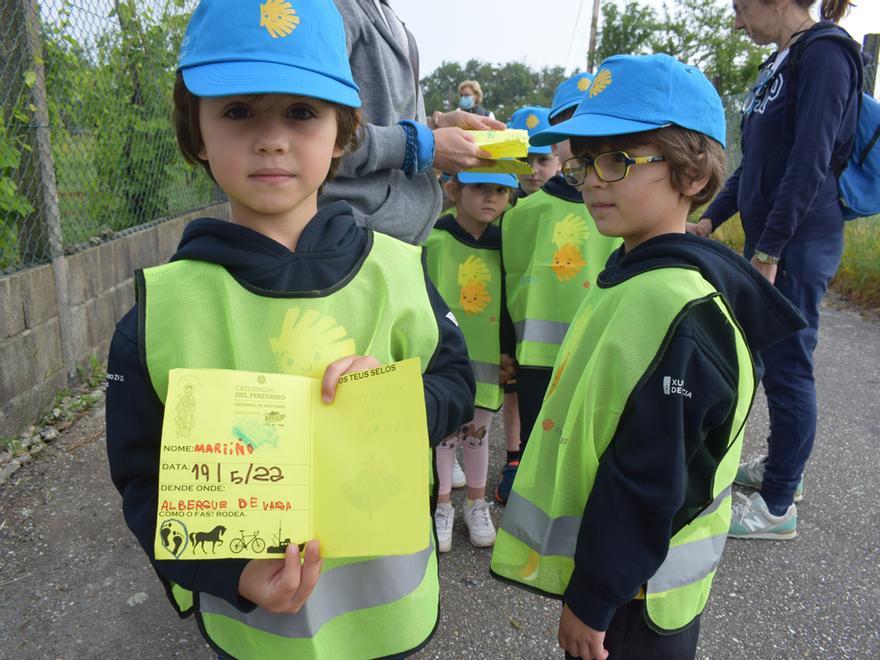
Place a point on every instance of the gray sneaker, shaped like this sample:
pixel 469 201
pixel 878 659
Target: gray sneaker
pixel 752 520
pixel 751 475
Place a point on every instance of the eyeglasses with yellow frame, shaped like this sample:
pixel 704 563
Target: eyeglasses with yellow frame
pixel 610 166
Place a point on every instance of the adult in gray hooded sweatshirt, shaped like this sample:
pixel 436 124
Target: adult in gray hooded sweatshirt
pixel 390 179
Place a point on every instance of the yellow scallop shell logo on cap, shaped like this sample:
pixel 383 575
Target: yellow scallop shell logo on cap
pixel 600 82
pixel 583 84
pixel 532 121
pixel 278 17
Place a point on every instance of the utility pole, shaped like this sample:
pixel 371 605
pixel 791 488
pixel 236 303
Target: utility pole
pixel 594 28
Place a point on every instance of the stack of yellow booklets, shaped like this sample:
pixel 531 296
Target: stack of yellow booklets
pixel 252 462
pixel 504 146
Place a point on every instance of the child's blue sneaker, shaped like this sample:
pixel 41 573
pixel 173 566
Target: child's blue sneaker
pixel 751 475
pixel 752 519
pixel 502 490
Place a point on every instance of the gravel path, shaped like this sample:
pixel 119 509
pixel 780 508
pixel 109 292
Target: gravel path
pixel 75 584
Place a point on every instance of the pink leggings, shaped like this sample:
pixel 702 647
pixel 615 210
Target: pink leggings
pixel 474 438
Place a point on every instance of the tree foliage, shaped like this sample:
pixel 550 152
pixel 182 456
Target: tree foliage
pixel 506 87
pixel 699 32
pixel 108 81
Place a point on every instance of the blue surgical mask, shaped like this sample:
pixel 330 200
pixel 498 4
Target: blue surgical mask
pixel 466 102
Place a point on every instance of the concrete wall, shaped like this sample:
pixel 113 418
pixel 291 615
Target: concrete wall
pixel 100 290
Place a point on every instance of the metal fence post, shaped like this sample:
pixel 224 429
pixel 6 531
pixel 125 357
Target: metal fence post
pixel 871 45
pixel 48 190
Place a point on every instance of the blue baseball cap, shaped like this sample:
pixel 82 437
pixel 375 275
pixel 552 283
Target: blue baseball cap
pixel 508 180
pixel 236 47
pixel 534 119
pixel 631 94
pixel 570 92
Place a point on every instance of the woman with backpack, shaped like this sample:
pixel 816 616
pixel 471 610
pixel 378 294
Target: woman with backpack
pixel 798 129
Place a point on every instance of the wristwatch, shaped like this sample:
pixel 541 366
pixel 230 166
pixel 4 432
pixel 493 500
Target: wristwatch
pixel 764 258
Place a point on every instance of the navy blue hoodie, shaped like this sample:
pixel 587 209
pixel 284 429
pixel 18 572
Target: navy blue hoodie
pixel 658 471
pixel 330 247
pixel 801 128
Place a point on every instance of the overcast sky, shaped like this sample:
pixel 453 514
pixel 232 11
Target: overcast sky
pixel 538 33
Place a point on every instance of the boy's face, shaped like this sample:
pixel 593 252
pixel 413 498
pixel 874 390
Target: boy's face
pixel 545 166
pixel 483 202
pixel 642 205
pixel 269 153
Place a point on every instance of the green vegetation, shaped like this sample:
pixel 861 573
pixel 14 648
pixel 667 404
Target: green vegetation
pixel 699 32
pixel 506 86
pixel 68 404
pixel 109 102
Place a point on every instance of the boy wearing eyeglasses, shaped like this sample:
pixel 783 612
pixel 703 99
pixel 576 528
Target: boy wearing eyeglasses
pixel 552 253
pixel 622 501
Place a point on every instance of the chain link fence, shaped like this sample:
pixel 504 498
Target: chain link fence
pixel 87 148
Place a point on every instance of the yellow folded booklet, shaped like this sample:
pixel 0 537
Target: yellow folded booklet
pixel 252 462
pixel 504 166
pixel 509 143
pixel 505 147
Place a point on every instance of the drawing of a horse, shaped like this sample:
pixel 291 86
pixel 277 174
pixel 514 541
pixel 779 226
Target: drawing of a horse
pixel 213 537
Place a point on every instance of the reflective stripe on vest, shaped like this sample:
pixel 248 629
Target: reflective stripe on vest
pixel 343 589
pixel 485 372
pixel 685 563
pixel 547 332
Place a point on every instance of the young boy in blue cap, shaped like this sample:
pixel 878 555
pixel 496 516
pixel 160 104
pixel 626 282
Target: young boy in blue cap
pixel 552 253
pixel 542 160
pixel 265 101
pixel 622 502
pixel 463 255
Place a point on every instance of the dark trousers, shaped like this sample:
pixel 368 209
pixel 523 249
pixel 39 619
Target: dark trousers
pixel 629 637
pixel 531 384
pixel 804 272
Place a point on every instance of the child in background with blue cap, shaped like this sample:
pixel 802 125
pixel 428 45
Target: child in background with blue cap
pixel 542 160
pixel 464 263
pixel 265 101
pixel 552 253
pixel 622 502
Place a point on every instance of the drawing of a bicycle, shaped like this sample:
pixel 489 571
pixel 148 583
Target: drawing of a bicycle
pixel 252 541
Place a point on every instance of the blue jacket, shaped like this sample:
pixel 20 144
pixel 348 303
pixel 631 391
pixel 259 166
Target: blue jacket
pixel 799 129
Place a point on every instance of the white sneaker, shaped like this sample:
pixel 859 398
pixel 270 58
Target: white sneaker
pixel 458 478
pixel 479 524
pixel 443 519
